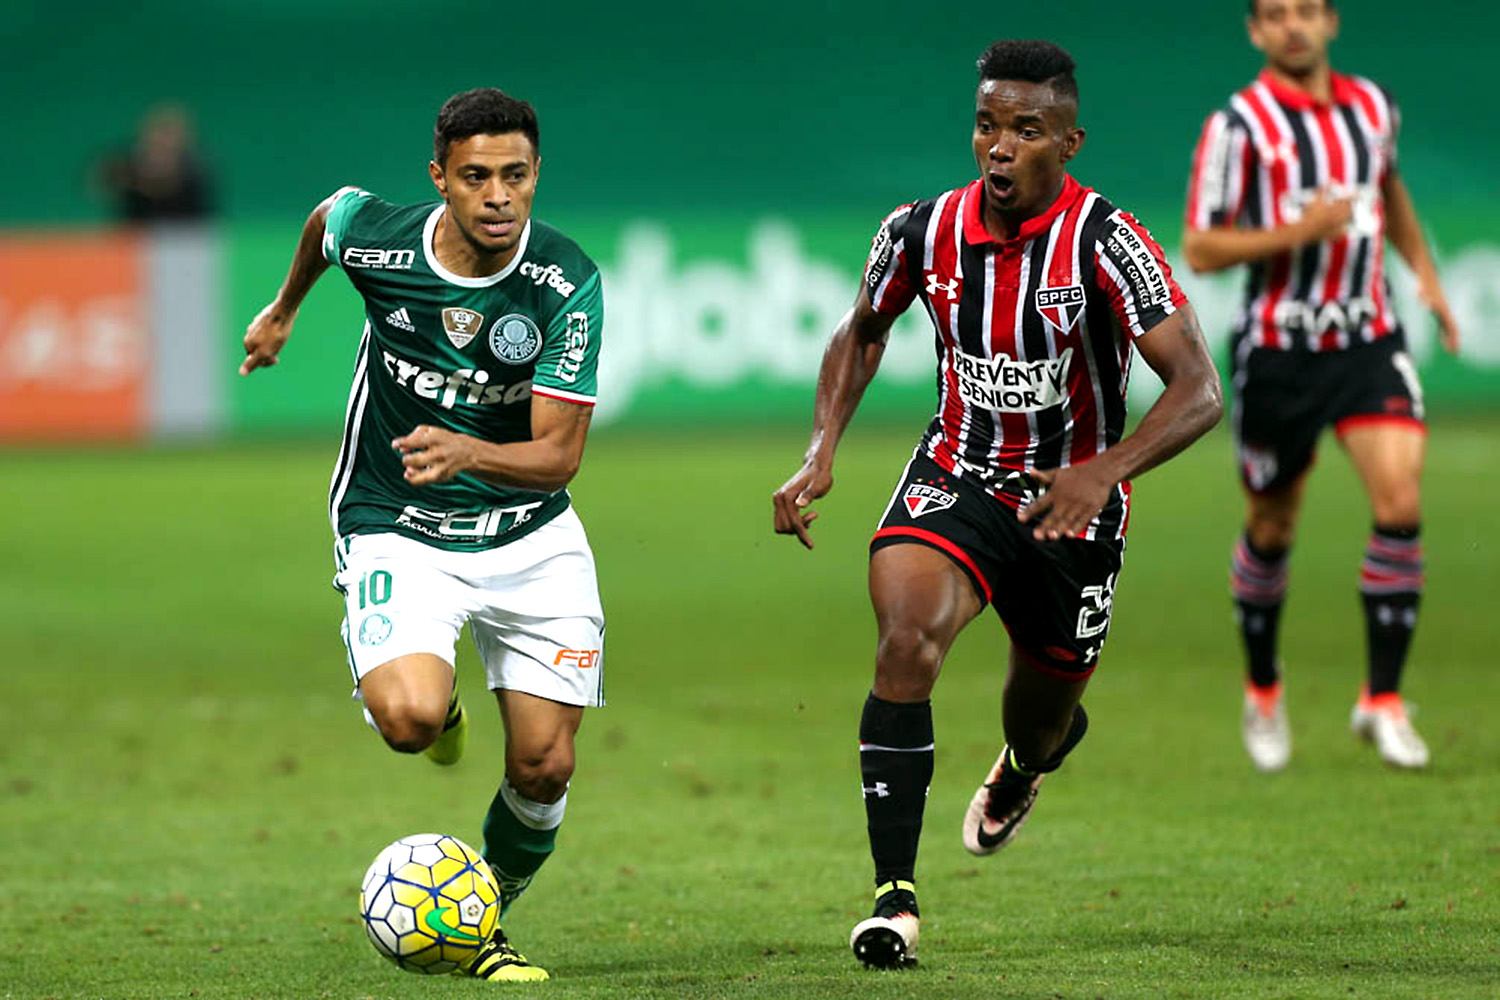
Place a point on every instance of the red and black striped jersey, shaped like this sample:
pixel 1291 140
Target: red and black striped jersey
pixel 1033 334
pixel 1259 161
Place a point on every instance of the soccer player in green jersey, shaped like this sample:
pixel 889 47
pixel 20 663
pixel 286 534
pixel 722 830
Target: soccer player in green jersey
pixel 473 387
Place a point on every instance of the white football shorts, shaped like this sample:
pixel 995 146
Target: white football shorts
pixel 532 606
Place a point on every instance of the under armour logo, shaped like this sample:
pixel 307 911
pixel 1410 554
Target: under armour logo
pixel 948 288
pixel 880 791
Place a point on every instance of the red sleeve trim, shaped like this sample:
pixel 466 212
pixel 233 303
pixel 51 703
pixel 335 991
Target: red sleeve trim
pixel 569 397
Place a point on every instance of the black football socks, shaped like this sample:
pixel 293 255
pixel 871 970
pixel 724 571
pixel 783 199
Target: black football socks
pixel 895 762
pixel 1257 578
pixel 1390 585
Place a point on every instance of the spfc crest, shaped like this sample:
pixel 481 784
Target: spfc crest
pixel 923 498
pixel 461 325
pixel 1060 306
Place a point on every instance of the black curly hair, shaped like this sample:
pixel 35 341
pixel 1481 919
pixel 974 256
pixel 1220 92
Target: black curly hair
pixel 482 111
pixel 1031 60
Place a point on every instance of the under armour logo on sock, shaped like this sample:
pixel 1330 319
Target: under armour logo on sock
pixel 880 791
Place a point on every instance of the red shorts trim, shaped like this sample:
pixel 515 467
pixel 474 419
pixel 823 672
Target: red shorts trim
pixel 939 542
pixel 1032 662
pixel 1366 419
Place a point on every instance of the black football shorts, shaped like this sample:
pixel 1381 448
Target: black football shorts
pixel 1054 597
pixel 1284 399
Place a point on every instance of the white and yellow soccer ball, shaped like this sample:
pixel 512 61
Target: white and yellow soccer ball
pixel 429 903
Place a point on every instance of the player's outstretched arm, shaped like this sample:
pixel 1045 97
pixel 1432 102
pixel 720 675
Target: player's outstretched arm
pixel 849 363
pixel 1405 231
pixel 1190 405
pixel 269 330
pixel 1222 247
pixel 546 463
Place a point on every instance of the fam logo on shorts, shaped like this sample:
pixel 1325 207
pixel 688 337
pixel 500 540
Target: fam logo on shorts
pixel 1060 306
pixel 583 659
pixel 924 498
pixel 515 339
pixel 461 324
pixel 374 630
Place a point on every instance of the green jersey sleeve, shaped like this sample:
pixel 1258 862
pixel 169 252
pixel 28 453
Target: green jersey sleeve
pixel 568 365
pixel 346 202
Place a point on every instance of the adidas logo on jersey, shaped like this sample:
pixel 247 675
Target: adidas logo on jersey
pixel 401 321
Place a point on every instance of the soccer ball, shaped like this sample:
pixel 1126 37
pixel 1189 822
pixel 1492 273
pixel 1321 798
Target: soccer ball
pixel 429 903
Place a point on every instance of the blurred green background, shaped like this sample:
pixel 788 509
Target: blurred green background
pixel 726 166
pixel 662 109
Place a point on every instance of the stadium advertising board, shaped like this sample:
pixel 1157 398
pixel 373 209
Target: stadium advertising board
pixel 74 352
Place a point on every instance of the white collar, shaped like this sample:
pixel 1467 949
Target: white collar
pixel 430 229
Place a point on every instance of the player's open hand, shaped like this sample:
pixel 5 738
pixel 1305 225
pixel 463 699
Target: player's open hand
pixel 265 337
pixel 1074 497
pixel 812 481
pixel 434 455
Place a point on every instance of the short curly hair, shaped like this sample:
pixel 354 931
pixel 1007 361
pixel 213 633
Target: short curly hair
pixel 1031 60
pixel 1327 5
pixel 482 111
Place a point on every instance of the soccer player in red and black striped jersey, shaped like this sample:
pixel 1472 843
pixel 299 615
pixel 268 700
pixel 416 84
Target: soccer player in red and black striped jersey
pixel 1018 494
pixel 1297 178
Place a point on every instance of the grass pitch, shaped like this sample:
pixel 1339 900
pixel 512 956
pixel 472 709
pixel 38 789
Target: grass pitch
pixel 188 798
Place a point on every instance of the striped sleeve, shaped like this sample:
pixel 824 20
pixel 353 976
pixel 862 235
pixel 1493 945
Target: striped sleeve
pixel 1394 110
pixel 1221 165
pixel 1381 118
pixel 1132 271
pixel 886 279
pixel 342 206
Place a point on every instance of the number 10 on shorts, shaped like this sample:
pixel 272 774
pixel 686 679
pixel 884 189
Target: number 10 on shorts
pixel 374 588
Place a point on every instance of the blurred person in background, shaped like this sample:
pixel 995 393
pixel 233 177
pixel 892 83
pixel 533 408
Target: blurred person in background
pixel 162 177
pixel 1297 178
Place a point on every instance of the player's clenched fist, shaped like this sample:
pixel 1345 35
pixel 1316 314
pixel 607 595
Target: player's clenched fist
pixel 265 337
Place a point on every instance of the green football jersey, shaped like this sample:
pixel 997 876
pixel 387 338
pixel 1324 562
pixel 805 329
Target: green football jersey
pixel 462 353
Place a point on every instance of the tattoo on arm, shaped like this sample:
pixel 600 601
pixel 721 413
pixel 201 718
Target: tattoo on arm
pixel 1190 328
pixel 559 404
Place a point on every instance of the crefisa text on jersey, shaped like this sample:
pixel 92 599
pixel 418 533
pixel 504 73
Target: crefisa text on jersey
pixel 551 276
pixel 448 387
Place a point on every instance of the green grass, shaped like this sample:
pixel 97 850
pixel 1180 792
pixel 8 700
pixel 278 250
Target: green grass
pixel 188 798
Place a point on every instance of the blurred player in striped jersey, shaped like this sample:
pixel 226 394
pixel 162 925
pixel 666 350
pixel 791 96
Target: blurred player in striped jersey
pixel 1018 494
pixel 1297 177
